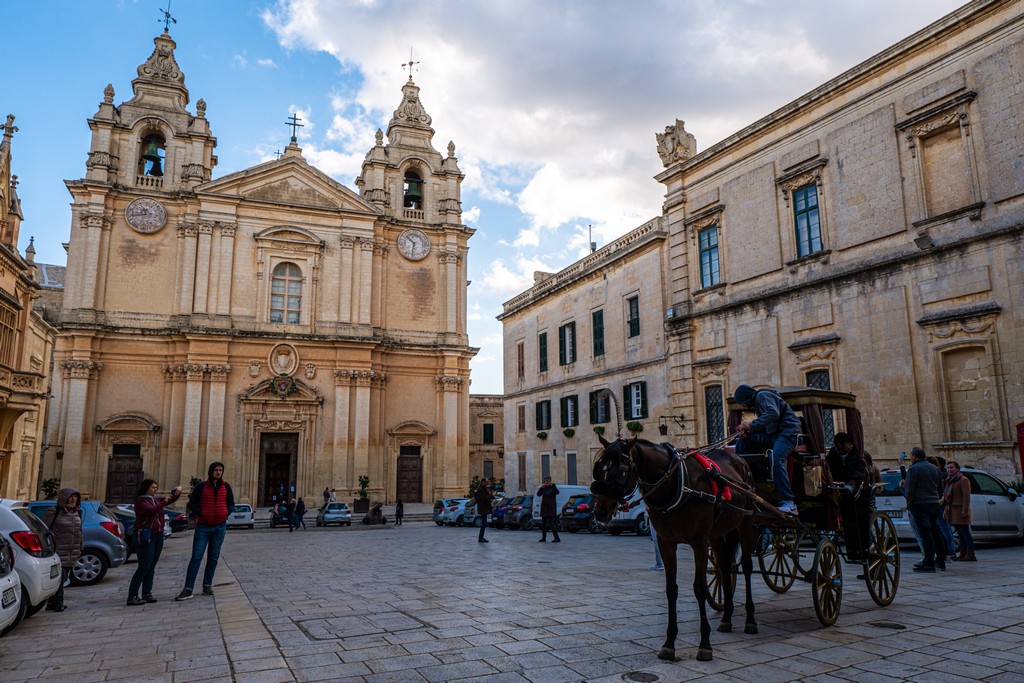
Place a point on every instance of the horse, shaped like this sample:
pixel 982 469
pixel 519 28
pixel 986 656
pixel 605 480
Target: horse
pixel 685 504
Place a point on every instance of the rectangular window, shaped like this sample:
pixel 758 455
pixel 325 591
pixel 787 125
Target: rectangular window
pixel 709 272
pixel 8 335
pixel 808 221
pixel 570 469
pixel 567 344
pixel 542 351
pixel 714 413
pixel 520 361
pixel 488 432
pixel 600 407
pixel 633 316
pixel 545 464
pixel 543 415
pixel 634 398
pixel 522 471
pixel 521 418
pixel 570 411
pixel 819 379
pixel 489 469
pixel 597 323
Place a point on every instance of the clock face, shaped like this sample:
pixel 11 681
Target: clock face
pixel 146 215
pixel 413 245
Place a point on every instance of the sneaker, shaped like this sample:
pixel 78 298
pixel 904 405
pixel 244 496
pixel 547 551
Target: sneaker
pixel 543 540
pixel 483 540
pixel 135 602
pixel 924 568
pixel 788 506
pixel 185 594
pixel 658 567
pixel 149 597
pixel 207 590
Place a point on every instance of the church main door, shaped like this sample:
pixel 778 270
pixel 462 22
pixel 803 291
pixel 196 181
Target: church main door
pixel 124 473
pixel 410 475
pixel 278 461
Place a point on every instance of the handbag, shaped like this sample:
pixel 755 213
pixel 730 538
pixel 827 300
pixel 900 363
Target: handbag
pixel 145 536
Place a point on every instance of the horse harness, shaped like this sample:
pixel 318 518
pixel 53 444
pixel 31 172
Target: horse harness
pixel 719 483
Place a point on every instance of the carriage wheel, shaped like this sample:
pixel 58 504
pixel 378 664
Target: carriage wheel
pixel 827 582
pixel 883 567
pixel 716 587
pixel 775 557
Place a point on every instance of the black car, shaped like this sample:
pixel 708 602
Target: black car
pixel 278 516
pixel 177 520
pixel 578 513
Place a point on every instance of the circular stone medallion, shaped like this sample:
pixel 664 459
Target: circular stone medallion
pixel 413 245
pixel 146 215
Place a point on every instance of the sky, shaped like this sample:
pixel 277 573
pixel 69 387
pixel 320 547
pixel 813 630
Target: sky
pixel 553 105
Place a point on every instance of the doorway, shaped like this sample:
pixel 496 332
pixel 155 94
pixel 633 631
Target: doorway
pixel 278 461
pixel 409 487
pixel 124 473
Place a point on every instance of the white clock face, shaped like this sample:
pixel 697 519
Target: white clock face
pixel 413 245
pixel 146 215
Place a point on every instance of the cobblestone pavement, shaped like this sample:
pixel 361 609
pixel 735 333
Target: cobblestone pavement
pixel 425 603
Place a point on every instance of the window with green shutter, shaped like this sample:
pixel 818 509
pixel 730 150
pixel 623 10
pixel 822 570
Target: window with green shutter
pixel 542 351
pixel 597 324
pixel 543 415
pixel 633 316
pixel 634 400
pixel 600 407
pixel 567 344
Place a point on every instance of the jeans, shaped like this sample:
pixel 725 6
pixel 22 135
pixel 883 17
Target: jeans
pixel 299 521
pixel 946 531
pixel 966 537
pixel 926 517
pixel 483 525
pixel 149 555
pixel 781 449
pixel 206 537
pixel 549 523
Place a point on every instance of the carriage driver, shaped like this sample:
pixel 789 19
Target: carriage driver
pixel 847 466
pixel 776 422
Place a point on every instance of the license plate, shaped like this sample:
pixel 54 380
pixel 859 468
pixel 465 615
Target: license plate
pixel 895 514
pixel 55 571
pixel 10 597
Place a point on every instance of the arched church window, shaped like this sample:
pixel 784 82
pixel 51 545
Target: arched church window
pixel 153 155
pixel 412 195
pixel 286 294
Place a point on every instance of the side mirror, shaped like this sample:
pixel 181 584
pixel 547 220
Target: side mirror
pixel 1013 493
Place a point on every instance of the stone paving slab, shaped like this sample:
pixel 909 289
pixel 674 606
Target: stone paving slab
pixel 426 603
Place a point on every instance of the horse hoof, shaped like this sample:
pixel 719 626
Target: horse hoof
pixel 667 654
pixel 704 655
pixel 750 628
pixel 725 628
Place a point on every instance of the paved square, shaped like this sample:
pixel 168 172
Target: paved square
pixel 426 603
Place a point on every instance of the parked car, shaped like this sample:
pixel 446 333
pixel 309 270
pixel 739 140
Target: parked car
pixel 178 521
pixel 565 491
pixel 242 515
pixel 472 517
pixel 578 513
pixel 104 539
pixel 278 515
pixel 441 509
pixel 455 513
pixel 519 515
pixel 498 511
pixel 125 513
pixel 631 516
pixel 10 587
pixel 334 513
pixel 997 510
pixel 35 556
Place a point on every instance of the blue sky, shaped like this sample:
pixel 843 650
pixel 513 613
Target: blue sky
pixel 552 105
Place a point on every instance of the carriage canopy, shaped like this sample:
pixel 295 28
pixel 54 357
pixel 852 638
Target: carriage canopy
pixel 809 404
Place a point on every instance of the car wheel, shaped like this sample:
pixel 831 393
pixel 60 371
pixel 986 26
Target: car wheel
pixel 594 527
pixel 32 610
pixel 89 569
pixel 478 522
pixel 22 611
pixel 526 524
pixel 643 526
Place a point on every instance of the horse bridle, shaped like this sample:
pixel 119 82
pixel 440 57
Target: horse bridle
pixel 677 464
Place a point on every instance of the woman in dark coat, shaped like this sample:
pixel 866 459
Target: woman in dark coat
pixel 149 538
pixel 300 513
pixel 956 508
pixel 65 523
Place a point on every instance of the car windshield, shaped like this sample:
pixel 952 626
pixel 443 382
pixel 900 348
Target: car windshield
pixel 243 508
pixel 890 484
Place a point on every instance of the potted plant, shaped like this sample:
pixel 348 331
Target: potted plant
pixel 599 429
pixel 542 435
pixel 569 432
pixel 634 426
pixel 362 503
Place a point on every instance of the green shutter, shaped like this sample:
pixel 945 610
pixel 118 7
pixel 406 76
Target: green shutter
pixel 561 412
pixel 540 416
pixel 593 407
pixel 627 402
pixel 561 345
pixel 643 399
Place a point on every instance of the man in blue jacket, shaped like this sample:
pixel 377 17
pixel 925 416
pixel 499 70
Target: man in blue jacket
pixel 777 423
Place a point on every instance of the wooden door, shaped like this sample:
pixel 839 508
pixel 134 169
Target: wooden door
pixel 124 473
pixel 409 486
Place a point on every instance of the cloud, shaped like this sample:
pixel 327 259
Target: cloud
pixel 270 63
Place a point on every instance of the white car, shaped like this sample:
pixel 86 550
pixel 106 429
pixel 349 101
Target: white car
pixel 334 513
pixel 35 557
pixel 10 588
pixel 631 516
pixel 455 512
pixel 997 511
pixel 242 515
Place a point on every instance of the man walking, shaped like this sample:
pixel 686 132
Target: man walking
pixel 548 493
pixel 923 491
pixel 210 502
pixel 483 505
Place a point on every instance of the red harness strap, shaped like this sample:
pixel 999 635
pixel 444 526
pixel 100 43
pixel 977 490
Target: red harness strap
pixel 712 468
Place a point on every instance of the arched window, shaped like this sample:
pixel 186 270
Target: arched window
pixel 152 155
pixel 412 195
pixel 286 294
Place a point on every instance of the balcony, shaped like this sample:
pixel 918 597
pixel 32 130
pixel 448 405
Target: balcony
pixel 149 181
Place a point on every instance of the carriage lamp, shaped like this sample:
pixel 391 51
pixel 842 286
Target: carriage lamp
pixel 663 425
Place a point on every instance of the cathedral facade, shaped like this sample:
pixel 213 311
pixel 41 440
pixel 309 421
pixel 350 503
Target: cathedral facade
pixel 304 334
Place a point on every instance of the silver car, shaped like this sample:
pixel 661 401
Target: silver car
pixel 334 513
pixel 35 556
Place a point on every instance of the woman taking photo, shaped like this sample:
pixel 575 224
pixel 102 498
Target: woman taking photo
pixel 149 538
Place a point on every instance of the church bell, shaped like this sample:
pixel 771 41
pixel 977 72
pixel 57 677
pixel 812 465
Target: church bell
pixel 151 153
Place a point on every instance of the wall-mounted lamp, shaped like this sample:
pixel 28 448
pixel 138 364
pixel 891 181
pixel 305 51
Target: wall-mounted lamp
pixel 663 423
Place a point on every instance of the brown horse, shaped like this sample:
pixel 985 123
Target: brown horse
pixel 683 508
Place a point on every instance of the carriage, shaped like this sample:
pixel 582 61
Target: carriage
pixel 813 546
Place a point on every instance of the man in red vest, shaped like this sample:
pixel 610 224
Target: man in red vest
pixel 210 502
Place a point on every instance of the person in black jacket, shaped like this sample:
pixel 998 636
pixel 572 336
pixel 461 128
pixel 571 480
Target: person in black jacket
pixel 849 469
pixel 300 513
pixel 289 512
pixel 924 491
pixel 548 493
pixel 483 496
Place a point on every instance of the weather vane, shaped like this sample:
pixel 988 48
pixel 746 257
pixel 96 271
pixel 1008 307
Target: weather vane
pixel 294 123
pixel 168 19
pixel 410 64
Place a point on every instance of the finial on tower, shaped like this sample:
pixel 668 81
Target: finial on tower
pixel 168 19
pixel 410 64
pixel 293 121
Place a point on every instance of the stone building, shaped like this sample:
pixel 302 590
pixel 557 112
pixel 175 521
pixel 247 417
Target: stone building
pixel 866 237
pixel 579 346
pixel 273 319
pixel 26 345
pixel 486 436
